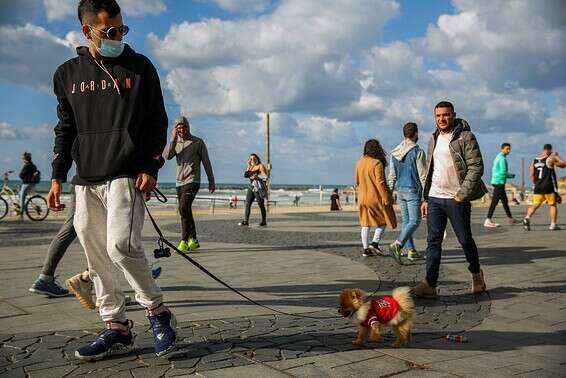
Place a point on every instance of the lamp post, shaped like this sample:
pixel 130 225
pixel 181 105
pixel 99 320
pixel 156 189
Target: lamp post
pixel 523 174
pixel 267 157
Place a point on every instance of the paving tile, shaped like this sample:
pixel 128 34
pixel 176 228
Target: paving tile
pixel 215 327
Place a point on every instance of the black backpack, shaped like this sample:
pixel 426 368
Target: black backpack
pixel 36 177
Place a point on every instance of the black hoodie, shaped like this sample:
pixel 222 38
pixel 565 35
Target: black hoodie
pixel 112 120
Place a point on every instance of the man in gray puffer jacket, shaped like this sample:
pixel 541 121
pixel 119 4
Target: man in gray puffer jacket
pixel 453 180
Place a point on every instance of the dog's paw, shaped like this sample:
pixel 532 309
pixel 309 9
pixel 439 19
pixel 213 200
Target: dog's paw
pixel 357 343
pixel 376 339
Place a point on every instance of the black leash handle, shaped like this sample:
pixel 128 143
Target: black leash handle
pixel 159 196
pixel 211 275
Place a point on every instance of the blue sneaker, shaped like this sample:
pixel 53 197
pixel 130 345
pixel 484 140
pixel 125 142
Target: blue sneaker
pixel 164 334
pixel 155 272
pixel 51 289
pixel 109 342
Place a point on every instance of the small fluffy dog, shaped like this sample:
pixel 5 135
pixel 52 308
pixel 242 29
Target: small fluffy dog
pixel 395 311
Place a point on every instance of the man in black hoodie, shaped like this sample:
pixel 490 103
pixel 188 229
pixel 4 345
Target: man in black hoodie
pixel 113 125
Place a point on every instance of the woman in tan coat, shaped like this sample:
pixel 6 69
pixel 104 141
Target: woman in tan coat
pixel 375 201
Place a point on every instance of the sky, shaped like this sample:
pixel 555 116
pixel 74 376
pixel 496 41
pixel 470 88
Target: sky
pixel 332 74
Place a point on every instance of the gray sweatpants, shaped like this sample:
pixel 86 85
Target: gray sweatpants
pixel 61 241
pixel 109 220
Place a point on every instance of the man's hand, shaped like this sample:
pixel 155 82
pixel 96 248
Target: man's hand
pixel 424 209
pixel 145 182
pixel 175 132
pixel 211 187
pixel 54 196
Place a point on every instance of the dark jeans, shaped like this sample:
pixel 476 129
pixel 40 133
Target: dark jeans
pixel 499 194
pixel 61 241
pixel 185 196
pixel 439 212
pixel 250 196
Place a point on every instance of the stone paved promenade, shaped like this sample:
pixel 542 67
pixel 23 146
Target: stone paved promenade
pixel 298 264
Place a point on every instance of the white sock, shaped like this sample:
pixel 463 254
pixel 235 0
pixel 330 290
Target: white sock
pixel 365 237
pixel 46 277
pixel 378 233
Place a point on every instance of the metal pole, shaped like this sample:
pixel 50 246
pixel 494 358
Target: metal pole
pixel 523 174
pixel 268 159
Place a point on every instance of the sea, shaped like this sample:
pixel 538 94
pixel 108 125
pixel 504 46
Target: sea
pixel 279 195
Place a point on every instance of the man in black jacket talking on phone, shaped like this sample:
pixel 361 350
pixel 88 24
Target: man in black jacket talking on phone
pixel 113 125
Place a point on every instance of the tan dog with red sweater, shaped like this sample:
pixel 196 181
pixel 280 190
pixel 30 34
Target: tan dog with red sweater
pixel 395 311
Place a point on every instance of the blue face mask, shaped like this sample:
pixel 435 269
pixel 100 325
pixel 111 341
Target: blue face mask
pixel 110 48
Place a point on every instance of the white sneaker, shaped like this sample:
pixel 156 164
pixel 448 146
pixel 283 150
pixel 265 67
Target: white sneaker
pixel 490 224
pixel 554 227
pixel 82 290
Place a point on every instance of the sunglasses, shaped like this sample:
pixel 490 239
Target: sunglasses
pixel 112 32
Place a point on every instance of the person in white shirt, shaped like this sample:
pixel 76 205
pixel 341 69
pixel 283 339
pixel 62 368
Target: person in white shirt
pixel 453 180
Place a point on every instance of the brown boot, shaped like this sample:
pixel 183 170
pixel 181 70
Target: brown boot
pixel 424 290
pixel 478 283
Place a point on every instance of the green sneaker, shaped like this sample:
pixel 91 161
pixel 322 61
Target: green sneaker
pixel 413 255
pixel 193 244
pixel 183 246
pixel 395 252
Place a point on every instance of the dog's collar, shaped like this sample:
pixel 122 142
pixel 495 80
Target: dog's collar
pixel 353 313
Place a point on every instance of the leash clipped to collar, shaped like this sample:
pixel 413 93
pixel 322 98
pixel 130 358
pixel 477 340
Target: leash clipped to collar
pixel 162 240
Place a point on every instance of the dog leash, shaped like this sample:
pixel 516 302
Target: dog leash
pixel 163 240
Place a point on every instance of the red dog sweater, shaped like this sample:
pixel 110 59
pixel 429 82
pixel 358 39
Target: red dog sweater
pixel 381 310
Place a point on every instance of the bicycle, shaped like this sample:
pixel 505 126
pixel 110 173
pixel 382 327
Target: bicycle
pixel 35 206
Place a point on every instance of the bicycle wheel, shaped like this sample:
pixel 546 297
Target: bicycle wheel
pixel 36 208
pixel 3 208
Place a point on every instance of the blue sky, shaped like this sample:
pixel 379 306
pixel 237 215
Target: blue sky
pixel 332 74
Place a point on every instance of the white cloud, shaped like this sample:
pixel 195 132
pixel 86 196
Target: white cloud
pixel 29 55
pixel 76 38
pixel 313 130
pixel 328 132
pixel 517 43
pixel 61 9
pixel 557 121
pixel 142 7
pixel 245 6
pixel 9 132
pixel 329 88
pixel 280 124
pixel 297 58
pixel 399 87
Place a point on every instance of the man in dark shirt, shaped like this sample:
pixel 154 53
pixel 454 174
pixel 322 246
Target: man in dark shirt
pixel 28 177
pixel 543 175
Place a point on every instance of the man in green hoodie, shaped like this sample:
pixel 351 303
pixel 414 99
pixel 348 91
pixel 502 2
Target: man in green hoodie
pixel 499 177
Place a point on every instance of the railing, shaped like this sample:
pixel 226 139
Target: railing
pixel 233 204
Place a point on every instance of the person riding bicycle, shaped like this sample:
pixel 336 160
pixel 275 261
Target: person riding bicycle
pixel 29 176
